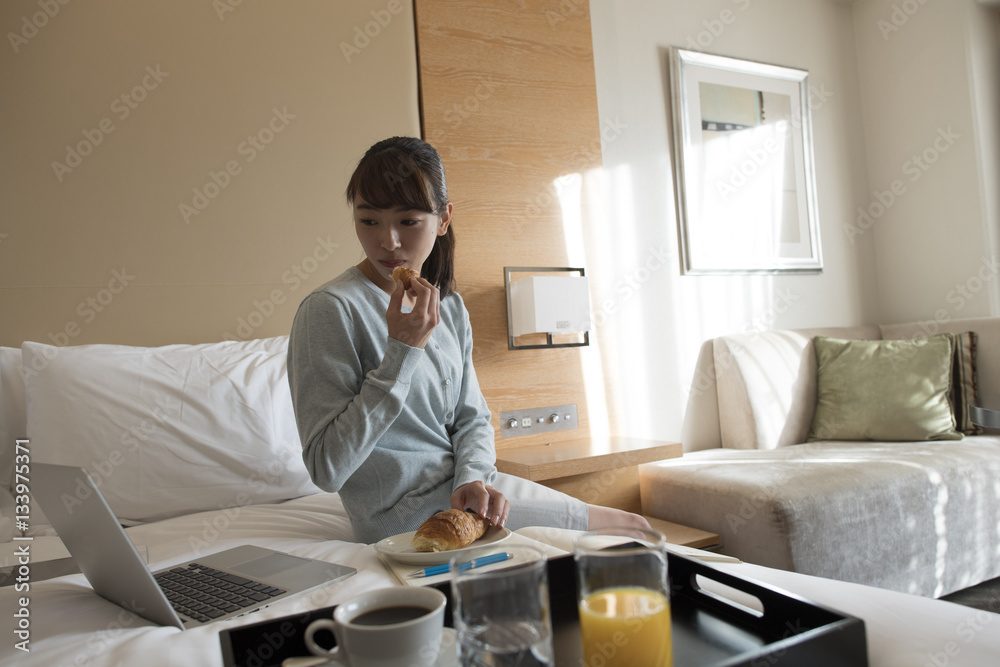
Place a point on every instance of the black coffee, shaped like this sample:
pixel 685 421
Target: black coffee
pixel 390 615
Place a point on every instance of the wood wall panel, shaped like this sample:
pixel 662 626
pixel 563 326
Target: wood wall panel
pixel 509 99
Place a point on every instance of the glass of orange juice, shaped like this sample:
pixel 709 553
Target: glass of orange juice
pixel 624 598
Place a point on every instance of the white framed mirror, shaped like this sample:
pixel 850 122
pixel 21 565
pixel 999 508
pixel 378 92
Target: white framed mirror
pixel 746 194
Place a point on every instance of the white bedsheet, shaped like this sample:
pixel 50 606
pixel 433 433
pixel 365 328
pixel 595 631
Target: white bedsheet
pixel 903 630
pixel 71 626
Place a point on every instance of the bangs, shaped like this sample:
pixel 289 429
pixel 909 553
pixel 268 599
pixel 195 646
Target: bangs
pixel 391 179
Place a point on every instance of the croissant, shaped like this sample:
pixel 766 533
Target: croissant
pixel 450 529
pixel 404 275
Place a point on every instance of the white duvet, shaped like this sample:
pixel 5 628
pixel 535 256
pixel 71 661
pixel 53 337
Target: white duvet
pixel 71 626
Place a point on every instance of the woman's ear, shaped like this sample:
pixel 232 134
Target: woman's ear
pixel 445 220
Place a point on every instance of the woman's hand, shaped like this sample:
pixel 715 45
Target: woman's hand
pixel 415 327
pixel 484 500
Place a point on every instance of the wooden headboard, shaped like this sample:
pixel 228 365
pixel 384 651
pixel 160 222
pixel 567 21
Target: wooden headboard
pixel 509 97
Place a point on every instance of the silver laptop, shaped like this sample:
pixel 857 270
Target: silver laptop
pixel 219 586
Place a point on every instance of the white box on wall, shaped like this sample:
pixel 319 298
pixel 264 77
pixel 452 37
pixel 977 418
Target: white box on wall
pixel 550 304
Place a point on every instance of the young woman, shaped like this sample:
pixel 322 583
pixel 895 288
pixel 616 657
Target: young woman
pixel 386 398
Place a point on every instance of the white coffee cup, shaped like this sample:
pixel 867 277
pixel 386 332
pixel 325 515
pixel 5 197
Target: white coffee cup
pixel 389 627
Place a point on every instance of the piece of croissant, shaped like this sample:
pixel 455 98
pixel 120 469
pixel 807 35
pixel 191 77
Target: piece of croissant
pixel 450 529
pixel 404 275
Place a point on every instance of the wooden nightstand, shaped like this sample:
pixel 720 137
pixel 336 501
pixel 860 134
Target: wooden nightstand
pixel 601 471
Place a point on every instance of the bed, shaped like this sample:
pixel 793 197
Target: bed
pixel 195 448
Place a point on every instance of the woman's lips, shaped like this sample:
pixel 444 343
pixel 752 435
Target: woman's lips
pixel 391 264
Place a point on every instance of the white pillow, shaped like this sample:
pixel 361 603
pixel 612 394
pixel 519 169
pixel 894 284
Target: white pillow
pixel 13 420
pixel 169 430
pixel 7 514
pixel 14 427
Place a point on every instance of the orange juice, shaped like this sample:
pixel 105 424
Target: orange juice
pixel 626 627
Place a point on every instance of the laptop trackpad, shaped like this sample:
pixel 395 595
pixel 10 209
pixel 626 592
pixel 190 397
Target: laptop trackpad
pixel 266 566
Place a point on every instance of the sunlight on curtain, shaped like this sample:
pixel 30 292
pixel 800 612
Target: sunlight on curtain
pixel 602 233
pixel 569 189
pixel 648 322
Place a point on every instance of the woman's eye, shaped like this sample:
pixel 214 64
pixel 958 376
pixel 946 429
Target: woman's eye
pixel 410 223
pixel 366 222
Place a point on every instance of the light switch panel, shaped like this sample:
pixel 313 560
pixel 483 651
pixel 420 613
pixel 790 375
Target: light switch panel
pixel 538 420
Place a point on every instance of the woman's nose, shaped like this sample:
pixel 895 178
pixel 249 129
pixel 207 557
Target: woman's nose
pixel 390 239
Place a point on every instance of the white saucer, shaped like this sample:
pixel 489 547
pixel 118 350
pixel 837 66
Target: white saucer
pixel 448 657
pixel 399 547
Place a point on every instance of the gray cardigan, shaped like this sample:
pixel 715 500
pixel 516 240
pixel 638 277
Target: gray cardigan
pixel 395 429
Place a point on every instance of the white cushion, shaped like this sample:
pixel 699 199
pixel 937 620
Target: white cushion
pixel 7 514
pixel 14 427
pixel 13 420
pixel 169 430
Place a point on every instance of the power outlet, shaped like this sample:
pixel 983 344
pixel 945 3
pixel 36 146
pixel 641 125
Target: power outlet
pixel 538 420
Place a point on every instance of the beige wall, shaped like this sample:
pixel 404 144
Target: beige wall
pixel 263 110
pixel 930 97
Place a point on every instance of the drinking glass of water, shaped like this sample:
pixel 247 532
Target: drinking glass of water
pixel 501 611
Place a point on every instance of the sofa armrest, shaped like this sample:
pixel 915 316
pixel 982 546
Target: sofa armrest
pixel 700 429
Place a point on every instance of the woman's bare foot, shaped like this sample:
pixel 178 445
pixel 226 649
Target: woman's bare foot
pixel 609 517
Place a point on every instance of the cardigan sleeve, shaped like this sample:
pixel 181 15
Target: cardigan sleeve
pixel 341 412
pixel 471 432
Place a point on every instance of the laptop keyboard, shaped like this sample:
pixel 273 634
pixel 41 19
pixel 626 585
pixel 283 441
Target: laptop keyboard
pixel 204 593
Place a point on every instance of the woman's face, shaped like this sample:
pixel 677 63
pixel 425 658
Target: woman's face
pixel 397 237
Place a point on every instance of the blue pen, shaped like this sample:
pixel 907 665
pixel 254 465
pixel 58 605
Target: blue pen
pixel 475 562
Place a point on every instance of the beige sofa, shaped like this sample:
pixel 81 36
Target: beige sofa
pixel 918 517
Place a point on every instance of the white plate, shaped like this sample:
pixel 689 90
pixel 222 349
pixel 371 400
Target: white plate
pixel 399 547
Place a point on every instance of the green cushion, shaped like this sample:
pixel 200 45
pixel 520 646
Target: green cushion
pixel 884 389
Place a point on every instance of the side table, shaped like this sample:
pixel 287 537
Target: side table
pixel 601 471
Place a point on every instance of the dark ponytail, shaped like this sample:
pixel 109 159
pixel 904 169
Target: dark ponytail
pixel 407 172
